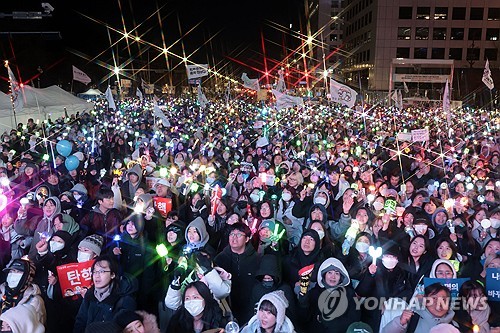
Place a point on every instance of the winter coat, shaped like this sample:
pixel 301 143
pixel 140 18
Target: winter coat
pixel 242 268
pixel 202 245
pixel 31 296
pixel 120 298
pixel 293 224
pixel 106 225
pixel 23 318
pixel 127 189
pixel 311 311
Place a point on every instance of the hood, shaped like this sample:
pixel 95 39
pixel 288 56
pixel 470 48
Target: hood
pixel 23 318
pixel 428 317
pixel 69 224
pixel 147 199
pixel 58 207
pixel 269 266
pixel 326 265
pixel 199 224
pixel 137 170
pixel 433 218
pixel 323 210
pixel 80 189
pixel 442 261
pixel 327 204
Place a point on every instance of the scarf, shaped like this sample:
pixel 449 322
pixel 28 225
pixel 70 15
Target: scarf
pixel 102 293
pixel 480 318
pixel 10 299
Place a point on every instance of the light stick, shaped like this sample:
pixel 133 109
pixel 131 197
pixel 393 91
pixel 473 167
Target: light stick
pixel 374 253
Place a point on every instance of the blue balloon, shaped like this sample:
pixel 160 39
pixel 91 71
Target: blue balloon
pixel 64 147
pixel 72 162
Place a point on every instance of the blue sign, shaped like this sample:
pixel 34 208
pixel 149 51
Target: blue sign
pixel 493 284
pixel 452 284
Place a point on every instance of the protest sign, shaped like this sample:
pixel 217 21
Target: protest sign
pixel 493 284
pixel 420 135
pixel 452 284
pixel 163 205
pixel 75 277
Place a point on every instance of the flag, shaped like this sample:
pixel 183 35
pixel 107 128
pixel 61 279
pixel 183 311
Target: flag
pixel 80 76
pixel 250 83
pixel 447 103
pixel 138 93
pixel 342 94
pixel 281 82
pixel 397 98
pixel 284 101
pixel 400 100
pixel 148 88
pixel 15 90
pixel 195 71
pixel 109 97
pixel 158 113
pixel 202 99
pixel 487 79
pixel 406 88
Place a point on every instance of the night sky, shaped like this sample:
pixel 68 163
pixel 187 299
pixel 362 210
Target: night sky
pixel 82 27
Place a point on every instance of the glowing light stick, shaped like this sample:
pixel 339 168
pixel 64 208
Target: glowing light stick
pixel 162 250
pixel 24 202
pixel 374 253
pixel 485 224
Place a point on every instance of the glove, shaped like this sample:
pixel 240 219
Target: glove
pixel 305 278
pixel 204 263
pixel 179 276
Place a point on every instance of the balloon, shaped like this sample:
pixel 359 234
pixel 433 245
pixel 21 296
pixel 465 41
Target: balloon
pixel 71 162
pixel 64 147
pixel 79 155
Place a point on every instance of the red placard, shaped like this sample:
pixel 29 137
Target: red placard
pixel 75 277
pixel 162 205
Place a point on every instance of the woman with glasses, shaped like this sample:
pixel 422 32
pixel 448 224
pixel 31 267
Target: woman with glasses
pixel 107 296
pixel 443 269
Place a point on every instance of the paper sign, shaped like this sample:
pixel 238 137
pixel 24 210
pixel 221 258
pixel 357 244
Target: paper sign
pixel 196 71
pixel 404 136
pixel 493 284
pixel 420 135
pixel 162 205
pixel 390 206
pixel 74 278
pixel 452 284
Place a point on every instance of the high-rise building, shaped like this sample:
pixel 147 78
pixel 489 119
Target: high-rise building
pixel 377 31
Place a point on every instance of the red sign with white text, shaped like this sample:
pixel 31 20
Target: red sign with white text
pixel 75 277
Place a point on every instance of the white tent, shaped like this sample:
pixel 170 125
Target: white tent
pixel 91 94
pixel 40 104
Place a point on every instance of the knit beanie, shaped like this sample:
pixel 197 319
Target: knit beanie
pixel 278 299
pixel 79 188
pixel 93 243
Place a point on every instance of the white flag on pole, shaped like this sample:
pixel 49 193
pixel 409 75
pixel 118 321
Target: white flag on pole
pixel 16 91
pixel 80 76
pixel 342 94
pixel 281 82
pixel 195 71
pixel 487 79
pixel 406 88
pixel 250 83
pixel 109 97
pixel 202 99
pixel 397 98
pixel 284 101
pixel 158 113
pixel 447 103
pixel 138 93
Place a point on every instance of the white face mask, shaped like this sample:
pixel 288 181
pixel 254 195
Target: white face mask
pixel 194 306
pixel 321 233
pixel 495 223
pixel 320 201
pixel 13 279
pixel 55 246
pixel 362 247
pixel 389 262
pixel 286 196
pixel 77 196
pixel 378 205
pixel 83 256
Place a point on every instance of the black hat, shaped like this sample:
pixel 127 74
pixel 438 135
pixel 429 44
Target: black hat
pixel 125 317
pixel 18 264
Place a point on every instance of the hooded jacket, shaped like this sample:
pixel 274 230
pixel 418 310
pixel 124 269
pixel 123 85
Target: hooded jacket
pixel 438 262
pixel 97 222
pixel 199 225
pixel 31 296
pixel 128 189
pixel 23 318
pixel 312 311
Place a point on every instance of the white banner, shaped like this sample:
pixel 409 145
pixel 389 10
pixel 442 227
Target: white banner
pixel 342 94
pixel 109 97
pixel 16 91
pixel 250 83
pixel 80 76
pixel 202 99
pixel 196 71
pixel 138 93
pixel 420 78
pixel 487 79
pixel 447 104
pixel 158 113
pixel 404 136
pixel 420 135
pixel 284 101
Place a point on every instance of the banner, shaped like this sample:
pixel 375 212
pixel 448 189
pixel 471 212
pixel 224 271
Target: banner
pixel 109 97
pixel 284 101
pixel 487 79
pixel 420 135
pixel 404 136
pixel 148 88
pixel 447 104
pixel 452 284
pixel 202 99
pixel 138 93
pixel 342 94
pixel 422 78
pixel 80 76
pixel 493 284
pixel 250 83
pixel 15 90
pixel 406 88
pixel 158 113
pixel 162 205
pixel 397 97
pixel 281 82
pixel 75 277
pixel 195 71
pixel 125 83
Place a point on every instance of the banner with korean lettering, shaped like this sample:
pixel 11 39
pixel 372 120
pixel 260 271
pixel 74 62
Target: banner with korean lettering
pixel 195 71
pixel 162 205
pixel 453 284
pixel 493 284
pixel 75 277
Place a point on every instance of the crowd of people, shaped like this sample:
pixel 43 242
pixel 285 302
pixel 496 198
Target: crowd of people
pixel 241 215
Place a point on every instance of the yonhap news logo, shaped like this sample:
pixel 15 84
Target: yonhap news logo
pixel 332 303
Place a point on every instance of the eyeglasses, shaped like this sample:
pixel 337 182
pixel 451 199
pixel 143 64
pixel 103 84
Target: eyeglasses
pixel 101 272
pixel 236 235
